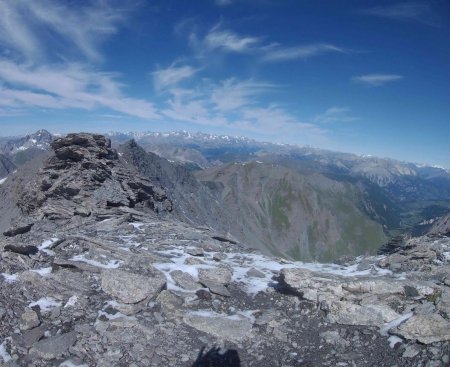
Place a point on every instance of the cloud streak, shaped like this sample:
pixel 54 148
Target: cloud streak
pixel 67 86
pixel 376 80
pixel 409 11
pixel 172 75
pixel 300 52
pixel 335 115
pixel 229 41
pixel 25 26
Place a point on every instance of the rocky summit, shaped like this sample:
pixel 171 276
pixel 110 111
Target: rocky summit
pixel 96 270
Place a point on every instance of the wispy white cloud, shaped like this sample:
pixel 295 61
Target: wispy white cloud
pixel 40 32
pixel 235 104
pixel 274 54
pixel 67 86
pixel 232 93
pixel 410 11
pixel 335 114
pixel 172 75
pixel 24 26
pixel 376 80
pixel 227 40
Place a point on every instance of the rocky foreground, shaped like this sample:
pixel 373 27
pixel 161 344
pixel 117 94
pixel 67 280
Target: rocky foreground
pixel 96 272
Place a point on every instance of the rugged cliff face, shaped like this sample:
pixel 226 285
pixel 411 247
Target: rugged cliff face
pixel 193 202
pixel 100 273
pixel 6 166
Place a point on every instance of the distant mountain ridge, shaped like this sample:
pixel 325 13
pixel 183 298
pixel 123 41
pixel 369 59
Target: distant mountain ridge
pixel 21 149
pixel 298 202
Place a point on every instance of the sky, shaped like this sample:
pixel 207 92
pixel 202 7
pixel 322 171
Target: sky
pixel 367 77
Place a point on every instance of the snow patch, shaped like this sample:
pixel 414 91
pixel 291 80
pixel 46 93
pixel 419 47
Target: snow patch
pixel 3 180
pixel 69 363
pixel 394 340
pixel 9 278
pixel 46 244
pixel 46 303
pixel 111 264
pixel 110 316
pixel 178 257
pixel 71 301
pixel 137 225
pixel 43 271
pixel 394 323
pixel 239 316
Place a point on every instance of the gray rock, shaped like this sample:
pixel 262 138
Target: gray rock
pixel 375 286
pixel 29 337
pixel 29 320
pixel 221 326
pixel 426 329
pixel 311 286
pixel 22 249
pixel 170 304
pixel 132 288
pixel 195 251
pixel 219 256
pixel 193 261
pixel 347 313
pixel 215 275
pixel 216 288
pixel 184 280
pixel 334 338
pixel 443 304
pixel 411 351
pixel 255 273
pixel 19 229
pixel 55 346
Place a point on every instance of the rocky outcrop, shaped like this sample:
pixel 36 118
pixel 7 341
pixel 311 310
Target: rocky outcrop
pixel 86 177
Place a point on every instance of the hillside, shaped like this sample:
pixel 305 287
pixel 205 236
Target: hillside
pixel 282 212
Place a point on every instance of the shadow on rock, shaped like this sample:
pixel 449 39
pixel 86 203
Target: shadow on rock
pixel 215 357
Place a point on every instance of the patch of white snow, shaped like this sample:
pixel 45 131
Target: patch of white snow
pixel 394 323
pixel 111 264
pixel 46 303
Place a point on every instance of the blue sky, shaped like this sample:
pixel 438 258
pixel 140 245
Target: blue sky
pixel 369 77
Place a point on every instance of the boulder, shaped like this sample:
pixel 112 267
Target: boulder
pixel 132 288
pixel 55 346
pixel 347 313
pixel 19 229
pixel 426 329
pixel 215 275
pixel 232 328
pixel 185 280
pixel 29 320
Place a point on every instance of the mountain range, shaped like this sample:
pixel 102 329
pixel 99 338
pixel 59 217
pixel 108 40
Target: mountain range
pixel 294 202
